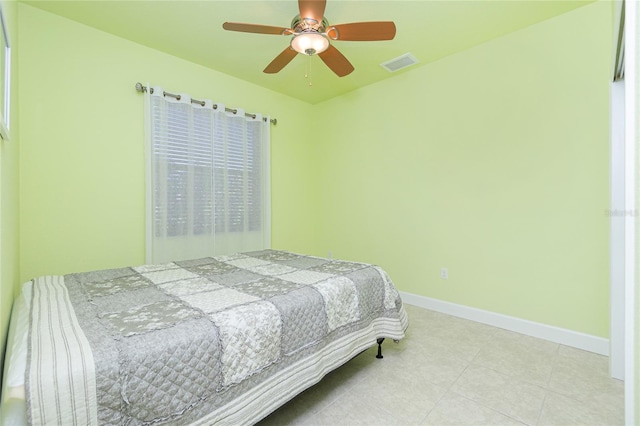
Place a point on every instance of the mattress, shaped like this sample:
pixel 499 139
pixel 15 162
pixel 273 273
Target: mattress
pixel 223 340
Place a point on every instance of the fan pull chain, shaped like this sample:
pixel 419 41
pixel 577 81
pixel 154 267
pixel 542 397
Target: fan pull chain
pixel 308 74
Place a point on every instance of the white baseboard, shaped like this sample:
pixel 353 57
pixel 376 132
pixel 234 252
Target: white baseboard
pixel 563 336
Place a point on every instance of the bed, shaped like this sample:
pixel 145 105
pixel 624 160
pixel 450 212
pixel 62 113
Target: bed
pixel 218 340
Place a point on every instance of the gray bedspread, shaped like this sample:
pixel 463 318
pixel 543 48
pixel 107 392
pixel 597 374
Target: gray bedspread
pixel 193 341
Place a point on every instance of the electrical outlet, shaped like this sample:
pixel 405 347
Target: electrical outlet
pixel 444 273
pixel 329 255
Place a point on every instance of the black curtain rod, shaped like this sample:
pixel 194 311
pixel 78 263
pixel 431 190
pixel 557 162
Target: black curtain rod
pixel 141 88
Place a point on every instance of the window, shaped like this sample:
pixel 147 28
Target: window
pixel 207 171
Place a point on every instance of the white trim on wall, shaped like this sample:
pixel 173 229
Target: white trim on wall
pixel 563 336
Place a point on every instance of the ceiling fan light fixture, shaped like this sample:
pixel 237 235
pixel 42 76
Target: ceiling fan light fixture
pixel 309 43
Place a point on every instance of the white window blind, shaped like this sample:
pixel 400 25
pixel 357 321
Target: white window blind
pixel 208 179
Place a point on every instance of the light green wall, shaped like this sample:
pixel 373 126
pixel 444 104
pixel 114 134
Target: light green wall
pixel 82 152
pixel 9 189
pixel 493 163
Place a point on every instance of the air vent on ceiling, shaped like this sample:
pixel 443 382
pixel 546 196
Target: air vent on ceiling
pixel 400 62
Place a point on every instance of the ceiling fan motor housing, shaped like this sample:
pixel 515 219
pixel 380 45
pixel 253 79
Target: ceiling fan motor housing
pixel 308 24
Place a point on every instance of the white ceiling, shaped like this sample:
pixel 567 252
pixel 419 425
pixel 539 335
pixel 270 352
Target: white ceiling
pixel 192 30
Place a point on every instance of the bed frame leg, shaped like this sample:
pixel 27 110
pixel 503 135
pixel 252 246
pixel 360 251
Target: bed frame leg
pixel 379 356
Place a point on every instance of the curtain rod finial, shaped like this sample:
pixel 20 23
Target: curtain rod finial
pixel 140 87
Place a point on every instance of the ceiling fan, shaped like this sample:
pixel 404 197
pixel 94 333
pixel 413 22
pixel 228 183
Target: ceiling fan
pixel 312 35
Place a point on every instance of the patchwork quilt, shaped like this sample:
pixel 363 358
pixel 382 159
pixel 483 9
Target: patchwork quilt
pixel 222 339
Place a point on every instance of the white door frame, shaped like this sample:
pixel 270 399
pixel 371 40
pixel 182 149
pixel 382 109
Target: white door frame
pixel 624 167
pixel 616 213
pixel 631 218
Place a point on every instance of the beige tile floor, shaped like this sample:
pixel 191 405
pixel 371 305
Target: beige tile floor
pixel 451 371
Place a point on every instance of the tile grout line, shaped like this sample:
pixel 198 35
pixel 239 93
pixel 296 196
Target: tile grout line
pixel 544 401
pixel 502 373
pixel 548 383
pixel 553 367
pixel 450 387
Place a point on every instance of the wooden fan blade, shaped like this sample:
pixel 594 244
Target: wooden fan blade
pixel 363 31
pixel 313 9
pixel 253 28
pixel 336 61
pixel 281 61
